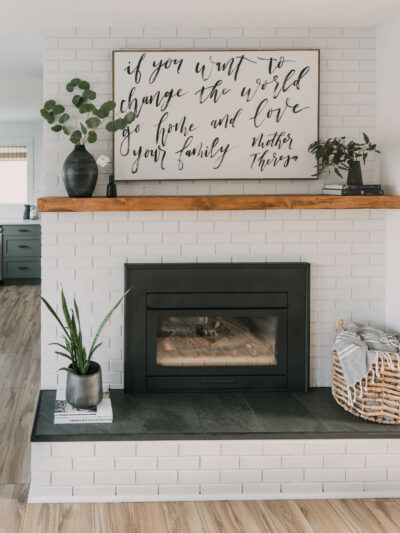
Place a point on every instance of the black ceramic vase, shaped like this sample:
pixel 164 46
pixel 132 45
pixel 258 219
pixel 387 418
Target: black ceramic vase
pixel 80 173
pixel 354 176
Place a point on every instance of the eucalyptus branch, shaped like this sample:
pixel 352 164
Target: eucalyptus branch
pixel 83 100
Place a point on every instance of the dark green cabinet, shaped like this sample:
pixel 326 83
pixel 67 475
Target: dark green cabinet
pixel 21 251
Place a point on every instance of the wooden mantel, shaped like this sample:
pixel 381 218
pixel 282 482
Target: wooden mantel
pixel 217 203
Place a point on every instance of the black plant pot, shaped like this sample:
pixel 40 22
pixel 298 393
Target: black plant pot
pixel 354 176
pixel 80 173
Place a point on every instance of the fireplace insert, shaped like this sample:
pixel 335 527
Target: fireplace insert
pixel 223 326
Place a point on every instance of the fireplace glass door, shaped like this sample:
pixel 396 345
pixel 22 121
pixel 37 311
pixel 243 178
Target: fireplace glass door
pixel 217 341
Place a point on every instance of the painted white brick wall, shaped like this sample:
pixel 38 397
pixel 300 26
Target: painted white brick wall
pixel 347 104
pixel 203 470
pixel 85 252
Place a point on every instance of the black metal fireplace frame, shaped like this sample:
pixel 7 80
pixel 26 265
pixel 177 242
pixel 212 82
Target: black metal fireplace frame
pixel 167 286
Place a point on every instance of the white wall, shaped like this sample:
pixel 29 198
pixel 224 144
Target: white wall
pixel 85 254
pixel 33 130
pixel 388 137
pixel 347 91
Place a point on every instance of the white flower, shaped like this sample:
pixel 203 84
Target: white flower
pixel 103 161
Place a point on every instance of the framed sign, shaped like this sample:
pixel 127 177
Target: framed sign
pixel 225 114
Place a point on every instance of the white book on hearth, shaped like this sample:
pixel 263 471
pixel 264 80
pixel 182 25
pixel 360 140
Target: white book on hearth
pixel 65 413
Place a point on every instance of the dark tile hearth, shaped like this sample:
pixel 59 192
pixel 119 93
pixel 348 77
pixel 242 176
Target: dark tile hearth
pixel 257 415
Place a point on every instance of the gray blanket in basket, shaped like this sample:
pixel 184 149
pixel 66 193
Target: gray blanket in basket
pixel 360 350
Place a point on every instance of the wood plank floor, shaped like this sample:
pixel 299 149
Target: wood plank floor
pixel 19 386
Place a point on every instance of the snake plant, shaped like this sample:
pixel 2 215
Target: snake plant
pixel 73 347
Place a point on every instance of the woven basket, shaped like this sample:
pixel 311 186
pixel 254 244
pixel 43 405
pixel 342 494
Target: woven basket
pixel 380 403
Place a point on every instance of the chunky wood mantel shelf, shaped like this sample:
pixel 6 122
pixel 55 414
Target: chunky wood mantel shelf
pixel 217 203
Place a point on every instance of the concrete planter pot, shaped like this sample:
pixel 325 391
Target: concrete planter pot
pixel 85 392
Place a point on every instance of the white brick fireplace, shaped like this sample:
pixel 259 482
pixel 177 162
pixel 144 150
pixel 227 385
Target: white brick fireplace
pixel 214 470
pixel 85 254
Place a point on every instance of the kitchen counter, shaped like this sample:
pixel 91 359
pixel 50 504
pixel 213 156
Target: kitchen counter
pixel 17 221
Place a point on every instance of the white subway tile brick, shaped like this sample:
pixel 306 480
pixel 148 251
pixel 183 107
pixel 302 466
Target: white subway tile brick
pixel 259 32
pixel 221 489
pixel 136 463
pixel 261 490
pixel 111 43
pixel 292 32
pixel 302 461
pixel 40 449
pixel 49 464
pixel 382 489
pixel 219 462
pixel 203 448
pixel 159 448
pixel 71 449
pixel 389 461
pixel 301 489
pixel 325 474
pixel 193 32
pixel 90 491
pixel 179 490
pixel 40 478
pixel 366 474
pixel 242 447
pixel 74 43
pixel 266 461
pixel 132 491
pixel 120 477
pixel 146 477
pixel 85 464
pixel 71 478
pixel 178 463
pixel 272 475
pixel 345 490
pixel 241 476
pixel 143 43
pixel 184 43
pixel 199 476
pixel 42 492
pixel 367 446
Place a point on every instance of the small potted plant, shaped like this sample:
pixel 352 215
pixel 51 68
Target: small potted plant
pixel 84 388
pixel 80 169
pixel 342 155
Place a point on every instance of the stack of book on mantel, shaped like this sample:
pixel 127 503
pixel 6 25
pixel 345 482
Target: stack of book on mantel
pixel 338 189
pixel 64 413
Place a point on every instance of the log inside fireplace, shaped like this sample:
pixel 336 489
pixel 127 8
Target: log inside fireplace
pixel 217 341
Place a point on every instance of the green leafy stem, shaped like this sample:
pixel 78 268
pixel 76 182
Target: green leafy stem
pixel 337 153
pixel 56 115
pixel 73 348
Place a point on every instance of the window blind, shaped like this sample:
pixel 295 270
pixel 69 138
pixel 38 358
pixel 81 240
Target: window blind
pixel 13 153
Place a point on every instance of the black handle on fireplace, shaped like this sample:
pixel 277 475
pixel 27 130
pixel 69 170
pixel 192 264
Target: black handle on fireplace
pixel 215 381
